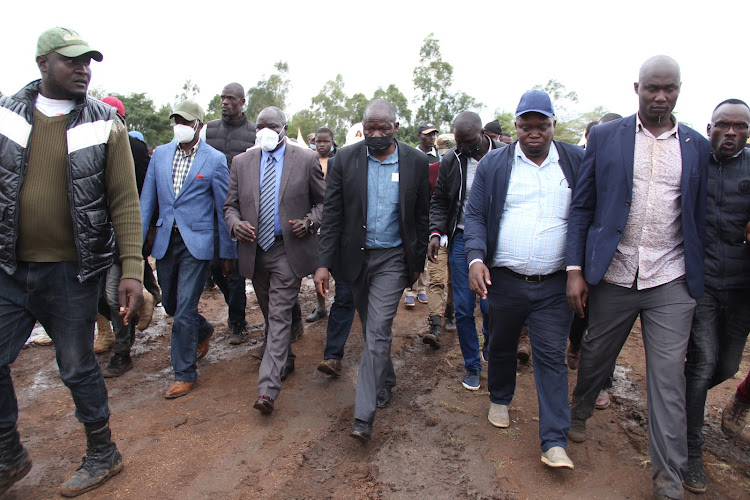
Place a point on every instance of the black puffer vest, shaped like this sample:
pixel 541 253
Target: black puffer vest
pixel 727 260
pixel 231 137
pixel 87 134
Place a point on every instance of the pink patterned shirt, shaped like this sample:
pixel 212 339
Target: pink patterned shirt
pixel 651 251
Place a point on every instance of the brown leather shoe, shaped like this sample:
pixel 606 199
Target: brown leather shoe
pixel 330 367
pixel 203 346
pixel 178 389
pixel 524 346
pixel 264 405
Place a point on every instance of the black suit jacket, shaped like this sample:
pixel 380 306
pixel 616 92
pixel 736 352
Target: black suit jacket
pixel 344 226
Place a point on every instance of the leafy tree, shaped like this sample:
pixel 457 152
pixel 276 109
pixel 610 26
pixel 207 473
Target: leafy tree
pixel 356 105
pixel 331 106
pixel 507 119
pixel 213 110
pixel 189 92
pixel 560 96
pixel 140 115
pixel 406 131
pixel 307 121
pixel 433 79
pixel 269 91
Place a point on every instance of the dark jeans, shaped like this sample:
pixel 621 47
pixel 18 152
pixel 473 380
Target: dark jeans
pixel 464 303
pixel 339 321
pixel 181 277
pixel 544 308
pixel 721 323
pixel 233 288
pixel 49 292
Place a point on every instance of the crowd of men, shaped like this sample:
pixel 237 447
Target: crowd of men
pixel 570 245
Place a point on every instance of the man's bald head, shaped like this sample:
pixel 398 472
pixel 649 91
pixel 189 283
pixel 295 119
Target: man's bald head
pixel 382 108
pixel 659 63
pixel 234 89
pixel 467 121
pixel 232 101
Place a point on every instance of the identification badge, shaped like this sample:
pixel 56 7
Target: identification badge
pixel 394 177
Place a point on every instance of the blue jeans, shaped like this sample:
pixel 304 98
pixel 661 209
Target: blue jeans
pixel 181 278
pixel 464 302
pixel 721 322
pixel 544 307
pixel 339 321
pixel 49 292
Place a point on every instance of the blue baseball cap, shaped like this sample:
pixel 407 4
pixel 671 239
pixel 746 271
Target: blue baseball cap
pixel 535 101
pixel 137 135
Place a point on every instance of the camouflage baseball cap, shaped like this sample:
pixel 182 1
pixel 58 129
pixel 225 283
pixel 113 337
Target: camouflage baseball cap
pixel 65 42
pixel 189 110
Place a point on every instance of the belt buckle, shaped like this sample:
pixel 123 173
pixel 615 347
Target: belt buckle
pixel 533 279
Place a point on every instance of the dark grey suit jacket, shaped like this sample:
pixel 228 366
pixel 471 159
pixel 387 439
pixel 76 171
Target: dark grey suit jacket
pixel 343 231
pixel 301 193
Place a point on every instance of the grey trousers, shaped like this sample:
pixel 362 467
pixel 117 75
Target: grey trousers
pixel 276 288
pixel 666 315
pixel 377 291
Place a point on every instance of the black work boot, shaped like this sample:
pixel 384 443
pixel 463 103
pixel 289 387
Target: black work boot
pixel 433 338
pixel 119 364
pixel 15 461
pixel 101 462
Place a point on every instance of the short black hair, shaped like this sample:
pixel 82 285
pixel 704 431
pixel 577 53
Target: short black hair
pixel 731 101
pixel 589 127
pixel 494 127
pixel 609 117
pixel 324 130
pixel 506 134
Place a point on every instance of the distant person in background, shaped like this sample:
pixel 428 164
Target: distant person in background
pixel 444 142
pixel 493 130
pixel 426 135
pixel 231 134
pixel 505 137
pixel 325 147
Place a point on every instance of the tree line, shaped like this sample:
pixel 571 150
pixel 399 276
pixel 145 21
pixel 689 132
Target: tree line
pixel 435 101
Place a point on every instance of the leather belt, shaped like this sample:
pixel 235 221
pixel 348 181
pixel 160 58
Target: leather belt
pixel 535 278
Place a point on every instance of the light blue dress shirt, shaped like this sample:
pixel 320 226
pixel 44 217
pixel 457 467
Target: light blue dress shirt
pixel 534 223
pixel 383 228
pixel 279 156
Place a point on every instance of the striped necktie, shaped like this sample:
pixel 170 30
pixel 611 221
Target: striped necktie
pixel 267 205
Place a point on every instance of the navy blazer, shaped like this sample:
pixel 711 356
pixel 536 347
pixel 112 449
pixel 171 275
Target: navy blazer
pixel 489 189
pixel 601 202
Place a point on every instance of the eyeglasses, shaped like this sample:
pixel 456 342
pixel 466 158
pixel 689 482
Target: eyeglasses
pixel 725 126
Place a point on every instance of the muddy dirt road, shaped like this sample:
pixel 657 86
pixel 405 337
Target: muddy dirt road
pixel 434 441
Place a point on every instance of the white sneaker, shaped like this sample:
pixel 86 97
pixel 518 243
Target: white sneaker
pixel 556 457
pixel 498 415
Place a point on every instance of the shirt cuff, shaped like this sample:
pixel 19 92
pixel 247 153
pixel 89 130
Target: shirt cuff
pixel 573 268
pixel 473 261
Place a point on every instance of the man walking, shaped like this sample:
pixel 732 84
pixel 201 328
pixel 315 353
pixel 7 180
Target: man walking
pixel 374 236
pixel 187 180
pixel 67 179
pixel 721 320
pixel 273 208
pixel 516 223
pixel 635 236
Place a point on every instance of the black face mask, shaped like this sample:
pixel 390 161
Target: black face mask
pixel 468 151
pixel 379 145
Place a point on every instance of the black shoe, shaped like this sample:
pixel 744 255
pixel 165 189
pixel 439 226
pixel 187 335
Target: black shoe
pixel 15 461
pixel 450 324
pixel 288 368
pixel 433 338
pixel 260 351
pixel 119 364
pixel 101 462
pixel 264 404
pixel 384 397
pixel 693 476
pixel 361 430
pixel 239 334
pixel 297 331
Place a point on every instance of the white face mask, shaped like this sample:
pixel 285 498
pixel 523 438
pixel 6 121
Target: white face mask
pixel 267 139
pixel 183 133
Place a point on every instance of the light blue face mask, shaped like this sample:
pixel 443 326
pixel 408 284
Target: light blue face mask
pixel 312 146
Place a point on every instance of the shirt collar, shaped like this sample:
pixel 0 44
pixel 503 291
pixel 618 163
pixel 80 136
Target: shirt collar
pixel 190 152
pixel 393 158
pixel 552 156
pixel 278 155
pixel 673 131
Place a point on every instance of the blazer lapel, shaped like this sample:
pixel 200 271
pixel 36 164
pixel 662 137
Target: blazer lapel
pixel 290 158
pixel 168 176
pixel 689 159
pixel 628 150
pixel 361 164
pixel 198 162
pixel 402 182
pixel 254 181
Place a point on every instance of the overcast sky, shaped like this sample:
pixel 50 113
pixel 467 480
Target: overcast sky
pixel 498 49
